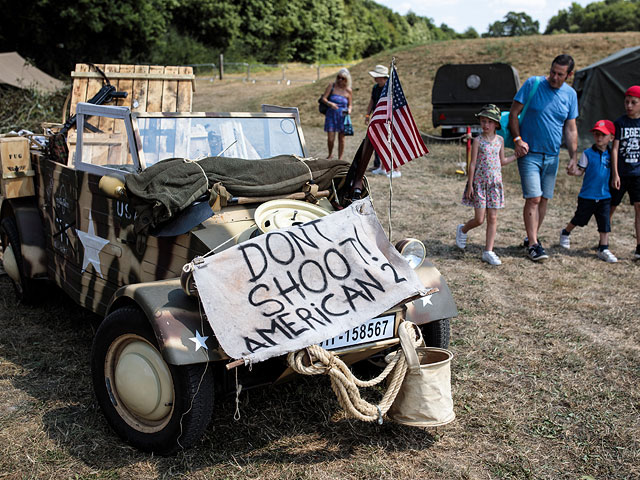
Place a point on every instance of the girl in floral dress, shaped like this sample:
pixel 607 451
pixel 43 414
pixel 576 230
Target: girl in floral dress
pixel 484 191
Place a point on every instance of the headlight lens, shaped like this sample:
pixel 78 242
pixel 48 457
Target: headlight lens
pixel 413 251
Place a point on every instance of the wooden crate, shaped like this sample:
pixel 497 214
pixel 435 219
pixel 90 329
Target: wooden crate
pixel 150 88
pixel 17 175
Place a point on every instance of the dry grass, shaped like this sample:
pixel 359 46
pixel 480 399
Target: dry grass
pixel 545 374
pixel 417 68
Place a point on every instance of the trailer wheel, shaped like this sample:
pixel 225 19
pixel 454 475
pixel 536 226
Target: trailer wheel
pixel 437 333
pixel 154 406
pixel 13 261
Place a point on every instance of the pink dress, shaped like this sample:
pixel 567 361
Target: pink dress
pixel 487 180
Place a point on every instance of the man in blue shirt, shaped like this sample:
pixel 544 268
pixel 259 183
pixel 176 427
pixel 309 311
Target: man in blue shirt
pixel 552 110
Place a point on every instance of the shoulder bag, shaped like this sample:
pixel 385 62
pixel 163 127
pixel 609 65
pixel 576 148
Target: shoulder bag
pixel 323 107
pixel 504 131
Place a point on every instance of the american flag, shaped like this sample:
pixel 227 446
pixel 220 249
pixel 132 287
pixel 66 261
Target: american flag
pixel 406 140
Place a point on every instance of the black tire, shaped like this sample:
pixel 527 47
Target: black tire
pixel 24 288
pixel 437 333
pixel 183 395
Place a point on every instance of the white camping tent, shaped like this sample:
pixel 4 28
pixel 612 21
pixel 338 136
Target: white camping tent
pixel 16 71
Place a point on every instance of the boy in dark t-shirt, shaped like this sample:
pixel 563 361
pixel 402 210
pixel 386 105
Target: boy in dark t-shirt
pixel 625 158
pixel 594 198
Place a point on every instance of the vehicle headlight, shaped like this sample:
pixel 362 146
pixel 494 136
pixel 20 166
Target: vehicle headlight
pixel 413 251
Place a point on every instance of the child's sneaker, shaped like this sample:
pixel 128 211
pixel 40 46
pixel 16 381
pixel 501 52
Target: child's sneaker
pixel 537 253
pixel 607 256
pixel 394 174
pixel 636 255
pixel 565 241
pixel 461 237
pixel 491 258
pixel 378 171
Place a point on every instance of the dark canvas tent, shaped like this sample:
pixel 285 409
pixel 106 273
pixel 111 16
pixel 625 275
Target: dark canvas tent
pixel 16 71
pixel 601 88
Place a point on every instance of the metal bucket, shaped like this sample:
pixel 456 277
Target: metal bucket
pixel 424 399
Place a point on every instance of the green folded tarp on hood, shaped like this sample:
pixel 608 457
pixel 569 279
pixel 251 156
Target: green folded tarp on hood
pixel 171 185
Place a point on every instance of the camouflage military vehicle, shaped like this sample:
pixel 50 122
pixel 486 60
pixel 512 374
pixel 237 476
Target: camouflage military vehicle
pixel 79 232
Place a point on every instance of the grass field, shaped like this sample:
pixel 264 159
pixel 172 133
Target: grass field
pixel 547 356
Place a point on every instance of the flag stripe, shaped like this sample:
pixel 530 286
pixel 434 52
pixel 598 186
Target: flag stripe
pixel 407 129
pixel 419 145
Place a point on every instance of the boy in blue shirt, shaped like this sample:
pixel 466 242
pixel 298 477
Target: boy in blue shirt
pixel 594 198
pixel 625 158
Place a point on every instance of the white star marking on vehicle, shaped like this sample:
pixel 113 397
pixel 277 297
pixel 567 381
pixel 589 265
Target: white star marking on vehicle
pixel 426 300
pixel 200 341
pixel 92 244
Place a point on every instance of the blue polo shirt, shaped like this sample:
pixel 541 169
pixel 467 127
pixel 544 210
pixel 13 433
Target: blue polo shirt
pixel 544 120
pixel 597 174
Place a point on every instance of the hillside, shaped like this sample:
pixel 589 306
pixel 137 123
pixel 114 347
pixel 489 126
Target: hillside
pixel 417 67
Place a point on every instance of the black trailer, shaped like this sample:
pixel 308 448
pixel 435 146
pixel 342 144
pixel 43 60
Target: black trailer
pixel 459 91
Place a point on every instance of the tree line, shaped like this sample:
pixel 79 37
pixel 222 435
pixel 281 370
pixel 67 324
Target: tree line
pixel 56 35
pixel 607 16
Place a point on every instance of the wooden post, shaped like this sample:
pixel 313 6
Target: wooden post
pixel 221 66
pixel 283 74
pixel 318 71
pixel 248 72
pixel 468 149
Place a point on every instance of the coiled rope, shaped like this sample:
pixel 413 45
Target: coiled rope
pixel 345 385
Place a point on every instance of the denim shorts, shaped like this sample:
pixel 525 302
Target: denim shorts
pixel 538 173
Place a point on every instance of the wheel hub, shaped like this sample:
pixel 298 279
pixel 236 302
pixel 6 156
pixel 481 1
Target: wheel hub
pixel 143 388
pixel 10 264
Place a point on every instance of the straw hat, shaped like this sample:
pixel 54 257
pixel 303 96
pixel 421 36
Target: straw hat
pixel 379 71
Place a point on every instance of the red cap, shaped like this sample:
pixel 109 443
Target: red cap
pixel 605 126
pixel 633 91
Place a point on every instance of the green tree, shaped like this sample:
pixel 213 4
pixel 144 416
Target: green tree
pixel 515 24
pixel 58 35
pixel 470 33
pixel 607 16
pixel 212 22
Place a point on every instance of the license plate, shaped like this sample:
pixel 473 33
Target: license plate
pixel 380 328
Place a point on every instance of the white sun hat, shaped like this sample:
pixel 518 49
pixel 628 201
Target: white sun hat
pixel 379 71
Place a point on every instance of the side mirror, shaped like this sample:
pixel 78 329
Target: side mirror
pixel 112 187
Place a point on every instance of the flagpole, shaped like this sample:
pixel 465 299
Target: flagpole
pixel 390 138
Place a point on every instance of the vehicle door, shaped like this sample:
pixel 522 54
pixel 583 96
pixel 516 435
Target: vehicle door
pixel 107 257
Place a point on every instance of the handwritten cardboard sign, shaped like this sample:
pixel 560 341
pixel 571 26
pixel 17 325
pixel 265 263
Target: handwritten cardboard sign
pixel 294 287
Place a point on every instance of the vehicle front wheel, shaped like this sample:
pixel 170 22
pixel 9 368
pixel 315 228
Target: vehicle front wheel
pixel 154 406
pixel 436 333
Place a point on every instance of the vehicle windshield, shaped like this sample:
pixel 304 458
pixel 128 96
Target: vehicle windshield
pixel 248 137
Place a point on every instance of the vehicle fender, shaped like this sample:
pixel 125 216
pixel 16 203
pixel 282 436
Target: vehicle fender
pixel 31 232
pixel 432 307
pixel 175 318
